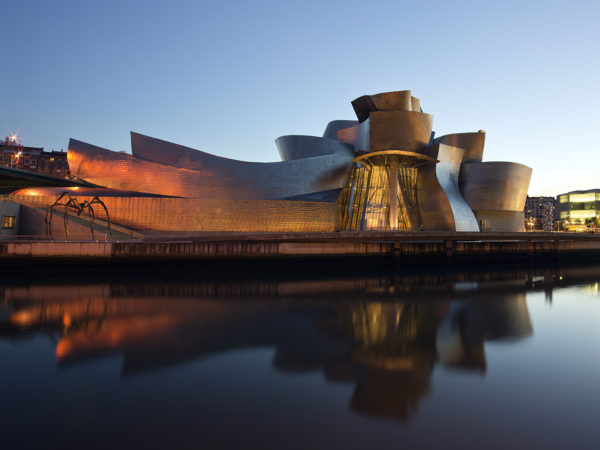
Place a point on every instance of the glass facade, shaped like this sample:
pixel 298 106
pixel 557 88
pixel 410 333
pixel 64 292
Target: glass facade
pixel 579 207
pixel 381 194
pixel 582 198
pixel 582 213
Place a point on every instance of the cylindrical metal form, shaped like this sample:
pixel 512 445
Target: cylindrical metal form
pixel 496 192
pixel 495 186
pixel 399 130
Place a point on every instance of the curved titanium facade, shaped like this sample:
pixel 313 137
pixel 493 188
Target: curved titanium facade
pixel 471 143
pixel 415 104
pixel 331 131
pixel 501 221
pixel 497 191
pixel 298 147
pixel 383 171
pixel 393 101
pixel 434 207
pixel 390 130
pixel 145 213
pixel 155 168
pixel 499 186
pixel 357 136
pixel 399 130
pixel 385 101
pixel 447 174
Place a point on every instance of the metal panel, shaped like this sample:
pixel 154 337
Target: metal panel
pixel 297 146
pixel 211 176
pixel 447 175
pixel 495 186
pixel 502 221
pixel 393 101
pixel 471 143
pixel 434 206
pixel 357 135
pixel 385 101
pixel 192 214
pixel 415 104
pixel 399 130
pixel 331 132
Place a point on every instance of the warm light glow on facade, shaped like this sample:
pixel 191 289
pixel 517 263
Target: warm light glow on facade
pixel 582 213
pixel 581 198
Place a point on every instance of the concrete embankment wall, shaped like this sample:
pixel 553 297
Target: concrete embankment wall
pixel 399 248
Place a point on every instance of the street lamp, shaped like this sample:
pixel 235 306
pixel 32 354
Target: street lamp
pixel 13 157
pixel 530 223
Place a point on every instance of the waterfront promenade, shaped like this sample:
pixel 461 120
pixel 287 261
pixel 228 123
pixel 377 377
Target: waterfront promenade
pixel 406 247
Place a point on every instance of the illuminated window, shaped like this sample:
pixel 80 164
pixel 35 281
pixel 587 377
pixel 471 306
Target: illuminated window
pixel 564 214
pixel 563 198
pixel 583 213
pixel 51 159
pixel 580 198
pixel 9 222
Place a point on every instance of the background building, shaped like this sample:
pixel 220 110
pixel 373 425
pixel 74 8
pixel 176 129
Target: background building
pixel 579 207
pixel 33 159
pixel 536 211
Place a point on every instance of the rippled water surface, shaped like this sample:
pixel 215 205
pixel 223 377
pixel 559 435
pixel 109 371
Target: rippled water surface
pixel 441 359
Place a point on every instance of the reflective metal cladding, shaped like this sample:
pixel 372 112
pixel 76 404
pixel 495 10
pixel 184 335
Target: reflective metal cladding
pixel 382 171
pixel 496 192
pixel 160 167
pixel 377 193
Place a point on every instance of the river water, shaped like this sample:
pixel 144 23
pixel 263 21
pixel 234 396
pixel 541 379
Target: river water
pixel 502 358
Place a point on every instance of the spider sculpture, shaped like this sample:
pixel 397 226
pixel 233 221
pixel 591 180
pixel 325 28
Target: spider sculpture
pixel 69 202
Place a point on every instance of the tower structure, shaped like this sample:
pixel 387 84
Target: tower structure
pixel 403 179
pixel 390 139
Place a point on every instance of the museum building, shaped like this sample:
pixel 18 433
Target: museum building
pixel 384 171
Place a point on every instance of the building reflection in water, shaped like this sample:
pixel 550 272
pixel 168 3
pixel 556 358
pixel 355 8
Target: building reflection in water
pixel 383 334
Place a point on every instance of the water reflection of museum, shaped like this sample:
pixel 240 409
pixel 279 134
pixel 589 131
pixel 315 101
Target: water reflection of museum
pixel 387 349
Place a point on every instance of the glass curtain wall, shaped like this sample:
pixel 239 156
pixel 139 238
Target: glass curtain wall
pixel 381 194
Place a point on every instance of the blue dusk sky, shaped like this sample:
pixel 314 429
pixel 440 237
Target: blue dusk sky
pixel 228 77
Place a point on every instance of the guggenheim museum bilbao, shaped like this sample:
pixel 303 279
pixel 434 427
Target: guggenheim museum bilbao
pixel 384 171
